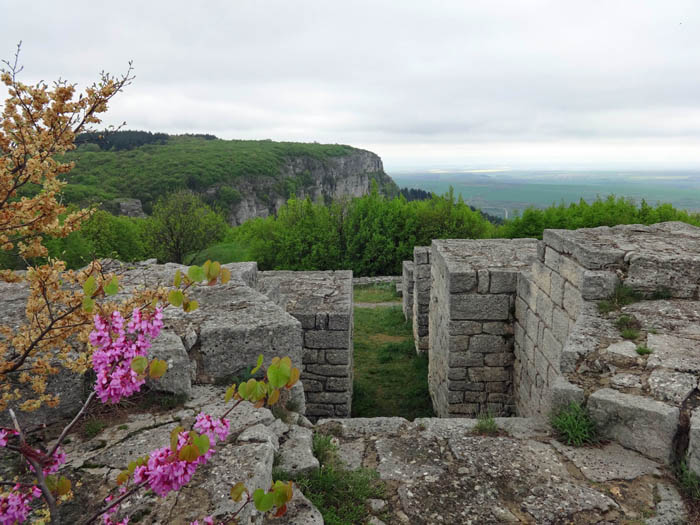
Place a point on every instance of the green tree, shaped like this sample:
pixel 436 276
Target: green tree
pixel 181 226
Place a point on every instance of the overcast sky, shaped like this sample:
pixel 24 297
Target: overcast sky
pixel 430 84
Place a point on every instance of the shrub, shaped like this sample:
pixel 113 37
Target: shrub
pixel 486 425
pixel 574 426
pixel 643 350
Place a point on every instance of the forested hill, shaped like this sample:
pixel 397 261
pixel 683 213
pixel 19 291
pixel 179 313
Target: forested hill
pixel 244 178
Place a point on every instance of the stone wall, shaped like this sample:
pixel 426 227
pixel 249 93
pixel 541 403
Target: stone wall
pixel 407 289
pixel 471 324
pixel 322 302
pixel 421 297
pixel 549 302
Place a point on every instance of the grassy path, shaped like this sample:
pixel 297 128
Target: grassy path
pixel 390 379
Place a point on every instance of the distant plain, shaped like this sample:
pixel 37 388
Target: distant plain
pixel 509 191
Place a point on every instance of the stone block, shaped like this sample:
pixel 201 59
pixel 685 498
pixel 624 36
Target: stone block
pixel 479 307
pixel 421 255
pixel 475 397
pixel 571 271
pixel 455 396
pixel 564 393
pixel 329 370
pixel 542 276
pixel 560 324
pixel 309 356
pixel 525 288
pixel 339 321
pixel 496 386
pixel 551 259
pixel 545 306
pixel 326 339
pixel 503 359
pixel 503 281
pixel 464 327
pixel 497 328
pixel 457 359
pixel 636 422
pixel 693 457
pixel 327 397
pixel 322 321
pixel 462 282
pixel 178 378
pixel 485 343
pixel 556 289
pixel 484 374
pixel 337 357
pixel 456 374
pixel 314 410
pixel 572 301
pixel 484 281
pixel 598 285
pixel 338 384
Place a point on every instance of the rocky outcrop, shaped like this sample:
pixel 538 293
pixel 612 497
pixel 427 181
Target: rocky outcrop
pixel 327 179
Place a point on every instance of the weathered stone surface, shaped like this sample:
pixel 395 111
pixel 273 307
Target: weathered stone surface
pixel 677 353
pixel 351 453
pixel 406 459
pixel 670 510
pixel 693 456
pixel 178 377
pixel 625 381
pixel 607 463
pixel 358 427
pixel 671 386
pixel 260 434
pixel 296 458
pixel 564 393
pixel 635 422
pixel 625 349
pixel 300 511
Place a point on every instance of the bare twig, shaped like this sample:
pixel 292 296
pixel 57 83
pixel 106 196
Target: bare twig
pixel 71 424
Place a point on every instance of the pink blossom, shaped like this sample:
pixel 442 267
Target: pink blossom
pixel 4 433
pixel 213 427
pixel 117 347
pixel 14 506
pixel 165 472
pixel 207 521
pixel 51 465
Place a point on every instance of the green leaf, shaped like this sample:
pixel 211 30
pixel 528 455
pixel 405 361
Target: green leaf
pixel 88 304
pixel 63 486
pixel 230 392
pixel 279 374
pixel 139 364
pixel 191 306
pixel 157 369
pixel 188 453
pixel 258 365
pixel 225 275
pixel 123 477
pixel 196 274
pixel 243 390
pixel 113 286
pixel 174 436
pixel 178 279
pixel 202 443
pixel 279 496
pixel 293 377
pixel 263 502
pixel 90 286
pixel 213 270
pixel 237 491
pixel 52 483
pixel 175 297
pixel 131 467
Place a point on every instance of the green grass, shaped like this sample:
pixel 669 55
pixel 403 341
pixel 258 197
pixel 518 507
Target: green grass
pixel 688 480
pixel 324 449
pixel 643 350
pixel 226 252
pixel 622 296
pixel 93 427
pixel 390 379
pixel 574 426
pixel 376 293
pixel 340 495
pixel 629 333
pixel 486 425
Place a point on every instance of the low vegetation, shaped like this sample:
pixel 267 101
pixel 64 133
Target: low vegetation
pixel 486 425
pixel 622 296
pixel 643 350
pixel 376 293
pixel 573 426
pixel 390 379
pixel 339 494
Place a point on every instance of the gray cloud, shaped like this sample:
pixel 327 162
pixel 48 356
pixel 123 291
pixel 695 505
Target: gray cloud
pixel 528 83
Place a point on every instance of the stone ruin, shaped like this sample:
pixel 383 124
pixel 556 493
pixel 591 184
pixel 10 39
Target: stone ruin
pixel 515 328
pixel 511 327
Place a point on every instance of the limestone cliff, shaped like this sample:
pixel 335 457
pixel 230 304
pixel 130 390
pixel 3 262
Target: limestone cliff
pixel 326 179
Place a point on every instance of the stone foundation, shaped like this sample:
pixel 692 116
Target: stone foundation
pixel 471 324
pixel 421 297
pixel 407 285
pixel 322 303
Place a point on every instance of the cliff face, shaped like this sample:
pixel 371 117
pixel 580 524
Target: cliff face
pixel 305 176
